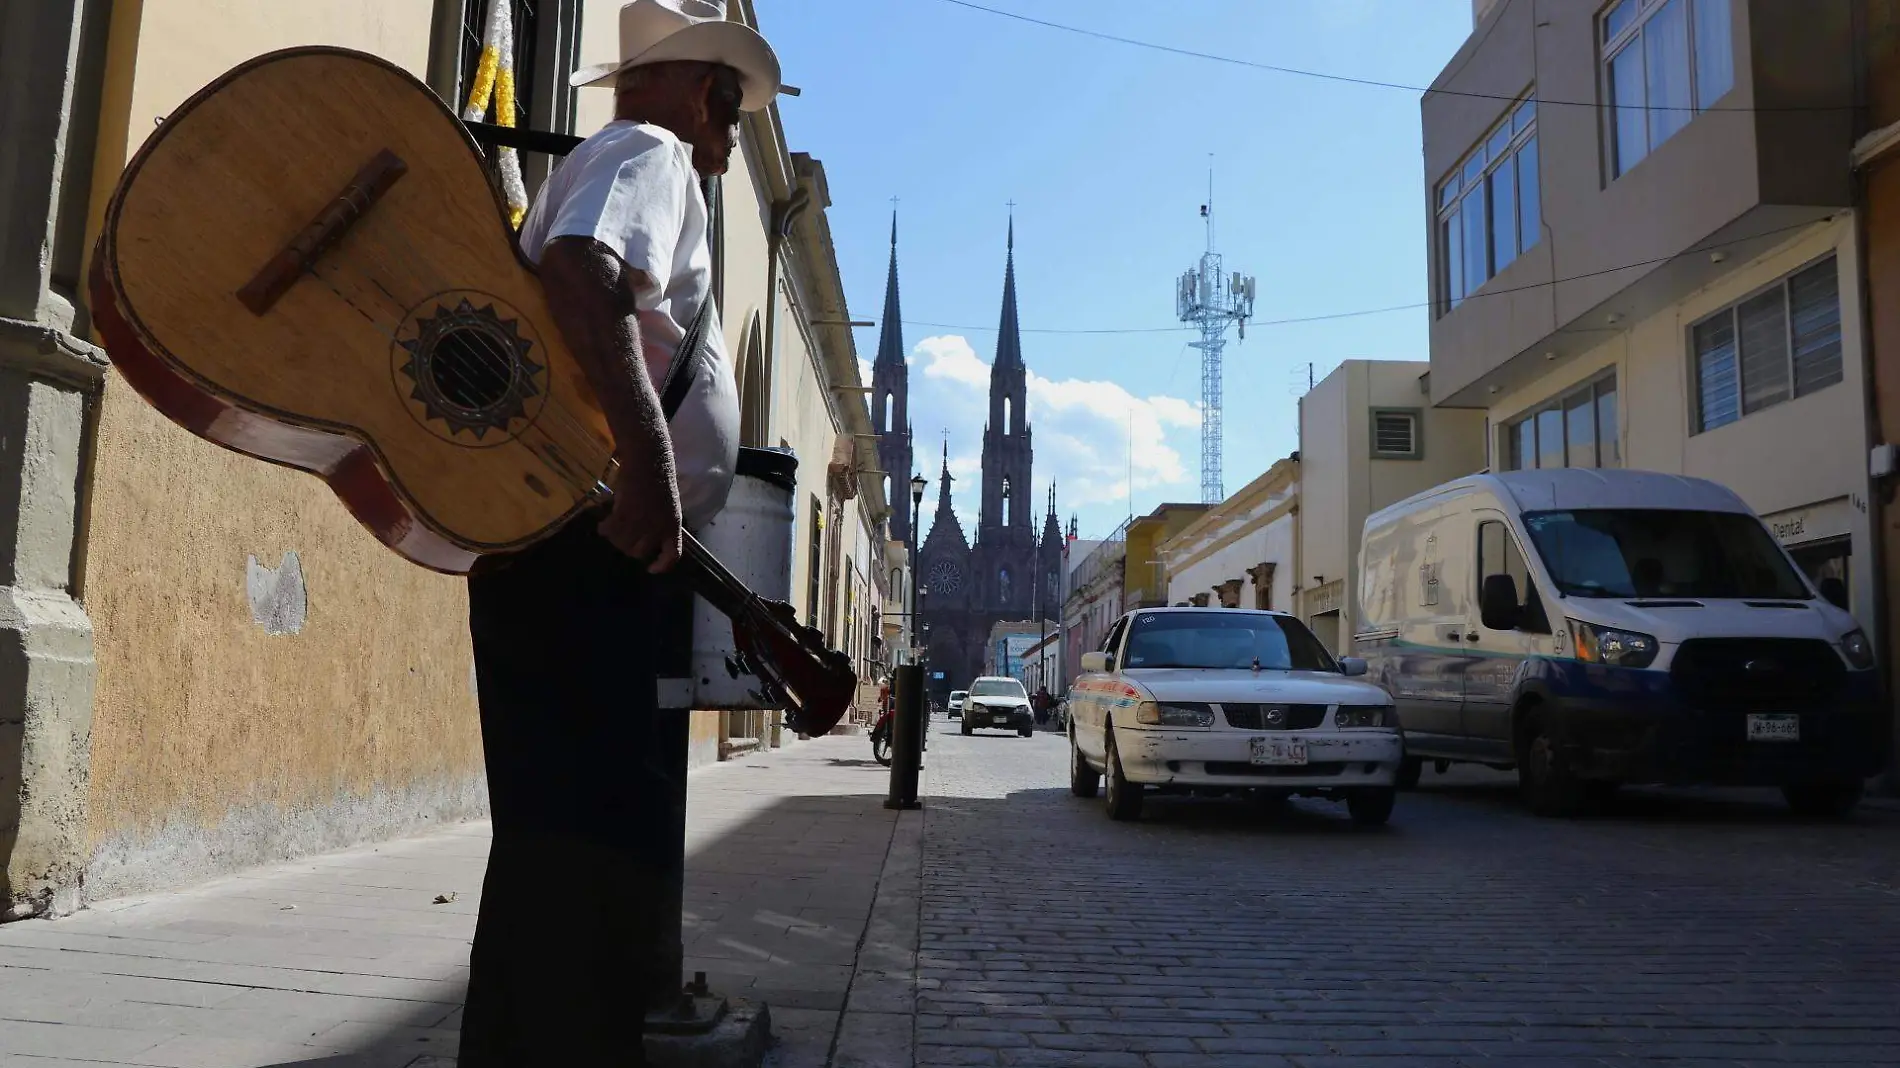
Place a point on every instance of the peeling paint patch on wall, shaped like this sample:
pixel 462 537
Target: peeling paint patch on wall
pixel 278 601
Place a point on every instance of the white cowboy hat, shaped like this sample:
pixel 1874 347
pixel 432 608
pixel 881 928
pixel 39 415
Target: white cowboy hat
pixel 664 31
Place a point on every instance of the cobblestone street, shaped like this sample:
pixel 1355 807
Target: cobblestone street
pixel 1670 929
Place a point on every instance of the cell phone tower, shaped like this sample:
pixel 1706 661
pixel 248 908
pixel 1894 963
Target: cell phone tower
pixel 1209 298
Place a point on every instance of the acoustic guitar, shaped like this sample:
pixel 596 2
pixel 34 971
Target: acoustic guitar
pixel 308 264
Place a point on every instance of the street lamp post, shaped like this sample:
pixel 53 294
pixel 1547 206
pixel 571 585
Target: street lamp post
pixel 907 732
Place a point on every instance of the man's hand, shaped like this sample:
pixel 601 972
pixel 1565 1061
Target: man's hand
pixel 591 293
pixel 645 521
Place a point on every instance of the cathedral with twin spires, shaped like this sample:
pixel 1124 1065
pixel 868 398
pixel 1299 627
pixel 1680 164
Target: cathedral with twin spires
pixel 968 587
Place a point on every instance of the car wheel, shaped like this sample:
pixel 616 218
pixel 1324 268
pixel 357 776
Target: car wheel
pixel 1124 797
pixel 1409 771
pixel 1543 773
pixel 1372 806
pixel 1823 799
pixel 1084 781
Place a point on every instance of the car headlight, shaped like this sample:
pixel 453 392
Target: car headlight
pixel 1858 650
pixel 1359 716
pixel 1607 645
pixel 1175 714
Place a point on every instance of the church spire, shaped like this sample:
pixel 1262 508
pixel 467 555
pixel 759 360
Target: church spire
pixel 890 340
pixel 1009 342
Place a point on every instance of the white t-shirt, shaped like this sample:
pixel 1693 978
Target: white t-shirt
pixel 632 187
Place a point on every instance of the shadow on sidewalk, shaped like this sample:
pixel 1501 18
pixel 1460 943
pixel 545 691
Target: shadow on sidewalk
pixel 778 895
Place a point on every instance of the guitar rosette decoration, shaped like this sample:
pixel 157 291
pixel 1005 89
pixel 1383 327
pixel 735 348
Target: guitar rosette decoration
pixel 495 82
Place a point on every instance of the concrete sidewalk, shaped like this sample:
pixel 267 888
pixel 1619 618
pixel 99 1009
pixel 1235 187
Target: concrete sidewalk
pixel 359 959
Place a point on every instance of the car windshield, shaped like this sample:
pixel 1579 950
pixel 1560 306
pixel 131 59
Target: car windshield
pixel 998 688
pixel 1223 639
pixel 1662 553
pixel 958 695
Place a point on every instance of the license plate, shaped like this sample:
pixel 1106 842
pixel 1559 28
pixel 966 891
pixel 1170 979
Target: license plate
pixel 1774 727
pixel 1279 750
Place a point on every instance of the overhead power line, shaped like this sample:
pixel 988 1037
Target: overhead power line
pixel 1083 31
pixel 1387 309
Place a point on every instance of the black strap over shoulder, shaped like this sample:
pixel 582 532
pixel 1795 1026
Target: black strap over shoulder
pixel 686 361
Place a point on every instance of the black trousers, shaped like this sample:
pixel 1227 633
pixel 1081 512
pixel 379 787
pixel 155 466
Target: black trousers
pixel 586 791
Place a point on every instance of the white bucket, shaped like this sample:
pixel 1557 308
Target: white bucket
pixel 753 538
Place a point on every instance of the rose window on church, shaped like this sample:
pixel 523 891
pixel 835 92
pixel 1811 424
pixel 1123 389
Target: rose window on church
pixel 945 578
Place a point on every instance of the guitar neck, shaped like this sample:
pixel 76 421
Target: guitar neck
pixel 710 579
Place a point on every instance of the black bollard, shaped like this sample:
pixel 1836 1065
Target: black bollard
pixel 907 737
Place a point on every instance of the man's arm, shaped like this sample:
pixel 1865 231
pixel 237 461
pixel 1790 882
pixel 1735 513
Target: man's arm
pixel 591 294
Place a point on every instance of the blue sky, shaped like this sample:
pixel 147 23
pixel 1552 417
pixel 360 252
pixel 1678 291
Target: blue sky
pixel 1105 150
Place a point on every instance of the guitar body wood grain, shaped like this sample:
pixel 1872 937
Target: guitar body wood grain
pixel 413 365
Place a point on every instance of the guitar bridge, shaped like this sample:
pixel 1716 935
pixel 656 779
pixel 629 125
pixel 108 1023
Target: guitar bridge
pixel 276 277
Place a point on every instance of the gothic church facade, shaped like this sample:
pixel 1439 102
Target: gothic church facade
pixel 1010 571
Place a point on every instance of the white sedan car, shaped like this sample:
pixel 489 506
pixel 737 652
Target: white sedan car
pixel 1223 700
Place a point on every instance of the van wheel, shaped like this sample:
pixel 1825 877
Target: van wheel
pixel 1543 772
pixel 1409 771
pixel 1829 800
pixel 1372 806
pixel 1124 797
pixel 1084 781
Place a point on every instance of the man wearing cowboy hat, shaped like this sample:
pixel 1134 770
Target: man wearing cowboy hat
pixel 582 777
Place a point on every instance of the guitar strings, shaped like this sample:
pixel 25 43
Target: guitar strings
pixel 498 361
pixel 589 456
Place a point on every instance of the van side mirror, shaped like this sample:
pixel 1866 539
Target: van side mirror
pixel 1351 665
pixel 1097 662
pixel 1498 603
pixel 1834 592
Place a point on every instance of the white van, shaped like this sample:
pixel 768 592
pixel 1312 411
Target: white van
pixel 1596 627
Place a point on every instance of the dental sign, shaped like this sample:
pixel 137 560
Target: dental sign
pixel 1828 520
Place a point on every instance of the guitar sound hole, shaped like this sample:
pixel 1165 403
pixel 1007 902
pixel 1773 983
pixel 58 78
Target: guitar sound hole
pixel 471 369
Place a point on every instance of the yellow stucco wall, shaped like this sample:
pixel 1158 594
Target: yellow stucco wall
pixel 202 718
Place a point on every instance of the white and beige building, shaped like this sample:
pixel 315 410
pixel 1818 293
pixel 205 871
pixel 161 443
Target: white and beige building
pixel 205 662
pixel 1670 282
pixel 1368 438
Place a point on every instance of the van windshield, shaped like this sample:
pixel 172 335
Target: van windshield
pixel 1617 552
pixel 1223 639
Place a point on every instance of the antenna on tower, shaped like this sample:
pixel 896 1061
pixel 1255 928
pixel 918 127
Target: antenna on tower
pixel 1208 298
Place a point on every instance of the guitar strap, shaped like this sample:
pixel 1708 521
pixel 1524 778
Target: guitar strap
pixel 686 361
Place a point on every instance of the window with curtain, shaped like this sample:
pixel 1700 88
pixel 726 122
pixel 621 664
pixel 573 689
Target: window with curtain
pixel 1576 428
pixel 1489 210
pixel 1664 62
pixel 1781 343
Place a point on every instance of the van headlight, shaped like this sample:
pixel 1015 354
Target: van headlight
pixel 1354 717
pixel 1607 645
pixel 1175 714
pixel 1858 650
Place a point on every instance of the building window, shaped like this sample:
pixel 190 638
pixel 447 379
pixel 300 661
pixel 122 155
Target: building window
pixel 815 566
pixel 547 49
pixel 1664 61
pixel 1576 429
pixel 1781 343
pixel 1489 209
pixel 1395 434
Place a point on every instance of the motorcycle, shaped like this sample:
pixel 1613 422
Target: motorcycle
pixel 881 737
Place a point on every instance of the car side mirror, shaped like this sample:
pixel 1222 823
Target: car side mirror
pixel 1351 665
pixel 1498 603
pixel 1097 662
pixel 1834 592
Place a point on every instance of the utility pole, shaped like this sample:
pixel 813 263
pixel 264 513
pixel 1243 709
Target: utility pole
pixel 1208 299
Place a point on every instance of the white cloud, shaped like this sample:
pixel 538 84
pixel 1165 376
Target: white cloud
pixel 951 359
pixel 864 371
pixel 1091 436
